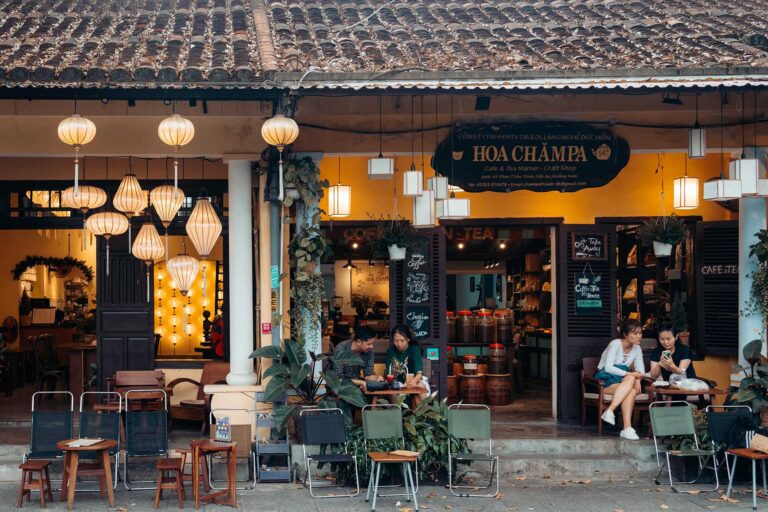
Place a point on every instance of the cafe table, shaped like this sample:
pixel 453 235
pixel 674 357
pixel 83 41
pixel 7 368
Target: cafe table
pixel 72 468
pixel 682 394
pixel 392 394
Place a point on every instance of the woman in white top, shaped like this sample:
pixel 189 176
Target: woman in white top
pixel 616 372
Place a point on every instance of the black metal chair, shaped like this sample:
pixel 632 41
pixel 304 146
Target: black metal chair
pixel 146 434
pixel 326 427
pixel 49 427
pixel 729 426
pixel 47 366
pixel 102 425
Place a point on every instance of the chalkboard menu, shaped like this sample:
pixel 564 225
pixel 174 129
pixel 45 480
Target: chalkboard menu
pixel 589 246
pixel 586 288
pixel 418 292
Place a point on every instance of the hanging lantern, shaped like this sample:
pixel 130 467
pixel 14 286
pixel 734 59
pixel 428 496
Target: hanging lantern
pixel 107 224
pixel 176 131
pixel 413 182
pixel 339 201
pixel 721 189
pixel 203 227
pixel 381 168
pixel 183 268
pixel 686 193
pixel 148 247
pixel 439 184
pixel 280 131
pixel 76 131
pixel 167 201
pixel 453 208
pixel 746 171
pixel 697 142
pixel 88 198
pixel 424 210
pixel 130 199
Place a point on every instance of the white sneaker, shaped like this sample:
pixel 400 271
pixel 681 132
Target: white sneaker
pixel 629 434
pixel 609 417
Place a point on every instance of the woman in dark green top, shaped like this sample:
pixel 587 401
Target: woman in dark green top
pixel 404 355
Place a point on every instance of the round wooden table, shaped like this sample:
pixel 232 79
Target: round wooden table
pixel 102 468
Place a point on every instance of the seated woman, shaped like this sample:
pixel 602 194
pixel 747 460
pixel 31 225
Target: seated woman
pixel 670 356
pixel 619 379
pixel 404 357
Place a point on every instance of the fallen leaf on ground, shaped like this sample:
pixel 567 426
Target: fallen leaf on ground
pixel 499 496
pixel 405 510
pixel 618 510
pixel 729 500
pixel 521 478
pixel 546 477
pixel 664 507
pixel 431 495
pixel 692 492
pixel 583 481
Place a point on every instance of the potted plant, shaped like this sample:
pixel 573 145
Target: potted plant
pixel 753 388
pixel 293 373
pixel 361 303
pixel 661 233
pixel 394 237
pixel 680 319
pixel 302 181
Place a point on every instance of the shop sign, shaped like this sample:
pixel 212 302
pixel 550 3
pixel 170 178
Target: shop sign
pixel 533 156
pixel 433 353
pixel 589 246
pixel 719 270
pixel 587 294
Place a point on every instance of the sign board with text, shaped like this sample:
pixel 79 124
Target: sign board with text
pixel 589 246
pixel 586 289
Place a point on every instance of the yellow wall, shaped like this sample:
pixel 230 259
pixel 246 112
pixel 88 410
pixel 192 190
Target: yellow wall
pixel 636 191
pixel 18 244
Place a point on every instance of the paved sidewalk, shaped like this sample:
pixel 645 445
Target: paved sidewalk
pixel 518 496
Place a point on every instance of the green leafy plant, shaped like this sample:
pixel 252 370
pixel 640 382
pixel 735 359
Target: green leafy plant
pixel 293 371
pixel 667 230
pixel 308 246
pixel 361 303
pixel 425 430
pixel 52 263
pixel 753 388
pixel 679 314
pixel 758 294
pixel 303 175
pixel 393 231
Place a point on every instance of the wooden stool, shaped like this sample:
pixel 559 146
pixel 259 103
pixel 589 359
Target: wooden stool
pixel 29 483
pixel 174 480
pixel 186 456
pixel 201 449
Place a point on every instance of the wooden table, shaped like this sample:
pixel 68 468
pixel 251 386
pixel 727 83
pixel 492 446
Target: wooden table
pixel 71 458
pixel 680 394
pixel 205 447
pixel 390 394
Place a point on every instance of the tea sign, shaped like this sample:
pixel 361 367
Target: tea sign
pixel 586 290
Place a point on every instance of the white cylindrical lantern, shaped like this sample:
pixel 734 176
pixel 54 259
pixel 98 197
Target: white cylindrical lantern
pixel 424 210
pixel 686 193
pixel 381 168
pixel 339 201
pixel 439 184
pixel 721 189
pixel 697 142
pixel 183 268
pixel 413 183
pixel 453 208
pixel 745 170
pixel 203 227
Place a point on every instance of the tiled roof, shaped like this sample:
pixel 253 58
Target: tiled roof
pixel 511 35
pixel 127 42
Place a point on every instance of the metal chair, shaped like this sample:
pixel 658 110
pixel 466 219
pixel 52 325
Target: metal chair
pixel 242 452
pixel 325 427
pixel 101 424
pixel 47 364
pixel 146 434
pixel 471 421
pixel 674 419
pixel 385 422
pixel 723 422
pixel 277 445
pixel 748 453
pixel 48 428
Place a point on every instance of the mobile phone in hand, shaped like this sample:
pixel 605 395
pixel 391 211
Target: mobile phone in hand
pixel 667 354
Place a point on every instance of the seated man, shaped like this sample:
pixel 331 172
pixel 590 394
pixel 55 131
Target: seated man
pixel 361 345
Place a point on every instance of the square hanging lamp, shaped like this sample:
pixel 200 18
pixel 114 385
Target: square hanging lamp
pixel 721 189
pixel 686 193
pixel 453 208
pixel 339 201
pixel 438 184
pixel 697 142
pixel 424 210
pixel 381 168
pixel 413 182
pixel 746 171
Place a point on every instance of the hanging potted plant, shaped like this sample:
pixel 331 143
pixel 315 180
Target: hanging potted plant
pixel 393 238
pixel 661 233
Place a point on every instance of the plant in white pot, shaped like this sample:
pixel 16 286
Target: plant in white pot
pixel 662 233
pixel 393 238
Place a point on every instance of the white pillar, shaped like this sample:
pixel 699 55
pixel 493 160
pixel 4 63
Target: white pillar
pixel 240 301
pixel 751 220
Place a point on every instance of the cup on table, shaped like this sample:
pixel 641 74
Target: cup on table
pixel 408 380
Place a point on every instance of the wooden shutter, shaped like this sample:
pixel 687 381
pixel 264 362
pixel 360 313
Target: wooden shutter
pixel 717 285
pixel 581 336
pixel 407 305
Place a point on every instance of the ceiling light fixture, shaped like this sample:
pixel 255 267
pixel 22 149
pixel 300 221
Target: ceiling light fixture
pixel 381 168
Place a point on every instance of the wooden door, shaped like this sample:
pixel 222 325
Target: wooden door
pixel 582 331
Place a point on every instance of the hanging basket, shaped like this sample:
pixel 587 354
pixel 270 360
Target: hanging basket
pixel 661 249
pixel 396 253
pixel 292 192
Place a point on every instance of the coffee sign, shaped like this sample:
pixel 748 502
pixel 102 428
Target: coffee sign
pixel 534 156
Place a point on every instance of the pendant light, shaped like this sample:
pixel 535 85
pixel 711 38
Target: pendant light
pixel 721 189
pixel 203 229
pixel 412 179
pixel 183 268
pixel 381 168
pixel 697 137
pixel 424 210
pixel 176 131
pixel 76 131
pixel 280 131
pixel 148 247
pixel 438 184
pixel 745 170
pixel 107 224
pixel 339 198
pixel 130 198
pixel 452 207
pixel 685 191
pixel 86 198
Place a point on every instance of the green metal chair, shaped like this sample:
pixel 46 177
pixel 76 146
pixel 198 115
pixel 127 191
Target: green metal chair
pixel 471 421
pixel 674 419
pixel 385 421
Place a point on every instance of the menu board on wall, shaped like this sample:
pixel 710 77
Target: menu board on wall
pixel 418 320
pixel 588 246
pixel 418 292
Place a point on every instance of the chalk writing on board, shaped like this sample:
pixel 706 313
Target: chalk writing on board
pixel 589 246
pixel 417 319
pixel 416 261
pixel 417 288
